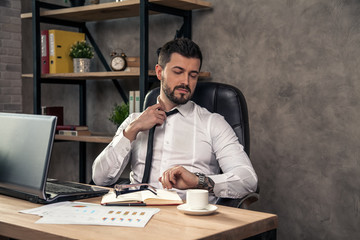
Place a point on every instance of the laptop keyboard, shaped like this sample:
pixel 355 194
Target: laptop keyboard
pixel 61 188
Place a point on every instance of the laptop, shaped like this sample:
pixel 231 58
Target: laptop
pixel 25 149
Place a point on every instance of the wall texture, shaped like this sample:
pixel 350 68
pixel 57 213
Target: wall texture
pixel 10 56
pixel 297 65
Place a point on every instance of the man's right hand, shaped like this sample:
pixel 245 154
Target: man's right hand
pixel 153 115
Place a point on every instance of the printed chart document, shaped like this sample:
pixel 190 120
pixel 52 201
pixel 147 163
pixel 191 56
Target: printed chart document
pixel 92 214
pixel 163 197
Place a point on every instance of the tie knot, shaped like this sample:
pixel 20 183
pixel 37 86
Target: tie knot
pixel 172 112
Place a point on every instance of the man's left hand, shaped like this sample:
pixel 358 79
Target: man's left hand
pixel 178 177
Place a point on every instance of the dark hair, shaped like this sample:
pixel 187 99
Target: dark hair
pixel 182 46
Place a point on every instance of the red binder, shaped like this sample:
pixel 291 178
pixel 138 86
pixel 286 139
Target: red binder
pixel 44 51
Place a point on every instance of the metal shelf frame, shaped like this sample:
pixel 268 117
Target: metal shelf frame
pixel 144 82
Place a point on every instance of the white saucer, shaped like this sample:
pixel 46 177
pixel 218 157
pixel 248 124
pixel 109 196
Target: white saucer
pixel 184 208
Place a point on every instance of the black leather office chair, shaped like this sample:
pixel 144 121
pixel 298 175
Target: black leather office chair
pixel 230 103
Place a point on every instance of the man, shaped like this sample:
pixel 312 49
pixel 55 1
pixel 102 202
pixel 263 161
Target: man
pixel 192 148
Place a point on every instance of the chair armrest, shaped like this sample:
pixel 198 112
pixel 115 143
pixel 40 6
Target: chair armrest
pixel 239 202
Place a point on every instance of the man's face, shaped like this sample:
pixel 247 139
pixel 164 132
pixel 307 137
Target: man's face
pixel 179 78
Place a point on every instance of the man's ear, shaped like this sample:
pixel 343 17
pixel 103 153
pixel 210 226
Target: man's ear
pixel 158 71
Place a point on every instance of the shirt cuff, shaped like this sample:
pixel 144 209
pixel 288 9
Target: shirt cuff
pixel 221 185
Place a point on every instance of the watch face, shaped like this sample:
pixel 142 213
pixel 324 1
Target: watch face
pixel 118 63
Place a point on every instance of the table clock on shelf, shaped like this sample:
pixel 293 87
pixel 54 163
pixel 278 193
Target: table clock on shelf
pixel 118 61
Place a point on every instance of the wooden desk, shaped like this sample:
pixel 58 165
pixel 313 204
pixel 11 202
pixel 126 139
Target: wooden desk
pixel 169 223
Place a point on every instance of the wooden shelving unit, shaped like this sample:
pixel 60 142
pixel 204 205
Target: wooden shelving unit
pixel 94 138
pixel 115 10
pixel 101 75
pixel 78 17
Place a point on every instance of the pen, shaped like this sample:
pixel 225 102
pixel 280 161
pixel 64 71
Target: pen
pixel 125 204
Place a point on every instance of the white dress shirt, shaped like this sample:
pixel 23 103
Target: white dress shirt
pixel 194 138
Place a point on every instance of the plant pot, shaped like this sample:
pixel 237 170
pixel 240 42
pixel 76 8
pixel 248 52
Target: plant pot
pixel 81 65
pixel 77 3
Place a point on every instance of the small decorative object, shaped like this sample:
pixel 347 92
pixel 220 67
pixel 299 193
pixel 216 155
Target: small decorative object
pixel 119 113
pixel 81 52
pixel 81 65
pixel 118 61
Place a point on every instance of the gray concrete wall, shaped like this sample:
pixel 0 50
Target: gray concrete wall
pixel 297 63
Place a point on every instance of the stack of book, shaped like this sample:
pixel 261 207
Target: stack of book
pixel 134 101
pixel 73 130
pixel 133 62
pixel 132 65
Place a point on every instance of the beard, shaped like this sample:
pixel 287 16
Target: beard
pixel 170 94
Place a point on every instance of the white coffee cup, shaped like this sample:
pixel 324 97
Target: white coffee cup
pixel 197 199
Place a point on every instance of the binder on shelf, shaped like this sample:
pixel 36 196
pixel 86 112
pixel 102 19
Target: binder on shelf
pixel 59 46
pixel 137 101
pixel 57 111
pixel 44 51
pixel 131 102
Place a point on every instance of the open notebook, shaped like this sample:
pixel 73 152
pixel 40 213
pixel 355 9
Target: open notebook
pixel 25 149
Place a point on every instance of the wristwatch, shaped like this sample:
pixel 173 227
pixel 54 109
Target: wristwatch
pixel 201 182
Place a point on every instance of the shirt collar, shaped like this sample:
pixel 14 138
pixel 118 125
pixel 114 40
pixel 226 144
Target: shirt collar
pixel 184 109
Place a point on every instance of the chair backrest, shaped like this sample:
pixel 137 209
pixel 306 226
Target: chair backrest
pixel 220 98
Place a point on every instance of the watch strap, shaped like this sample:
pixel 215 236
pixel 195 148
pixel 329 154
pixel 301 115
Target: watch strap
pixel 201 182
pixel 205 182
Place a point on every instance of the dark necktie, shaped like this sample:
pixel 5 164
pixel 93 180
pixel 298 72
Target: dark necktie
pixel 149 151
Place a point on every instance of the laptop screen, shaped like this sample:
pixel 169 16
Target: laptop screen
pixel 25 148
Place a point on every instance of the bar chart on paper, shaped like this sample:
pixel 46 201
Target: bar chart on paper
pixel 94 214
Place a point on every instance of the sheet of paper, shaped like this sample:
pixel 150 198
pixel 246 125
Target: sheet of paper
pixel 90 214
pixel 43 209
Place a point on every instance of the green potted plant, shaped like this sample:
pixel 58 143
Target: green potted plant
pixel 81 53
pixel 119 113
